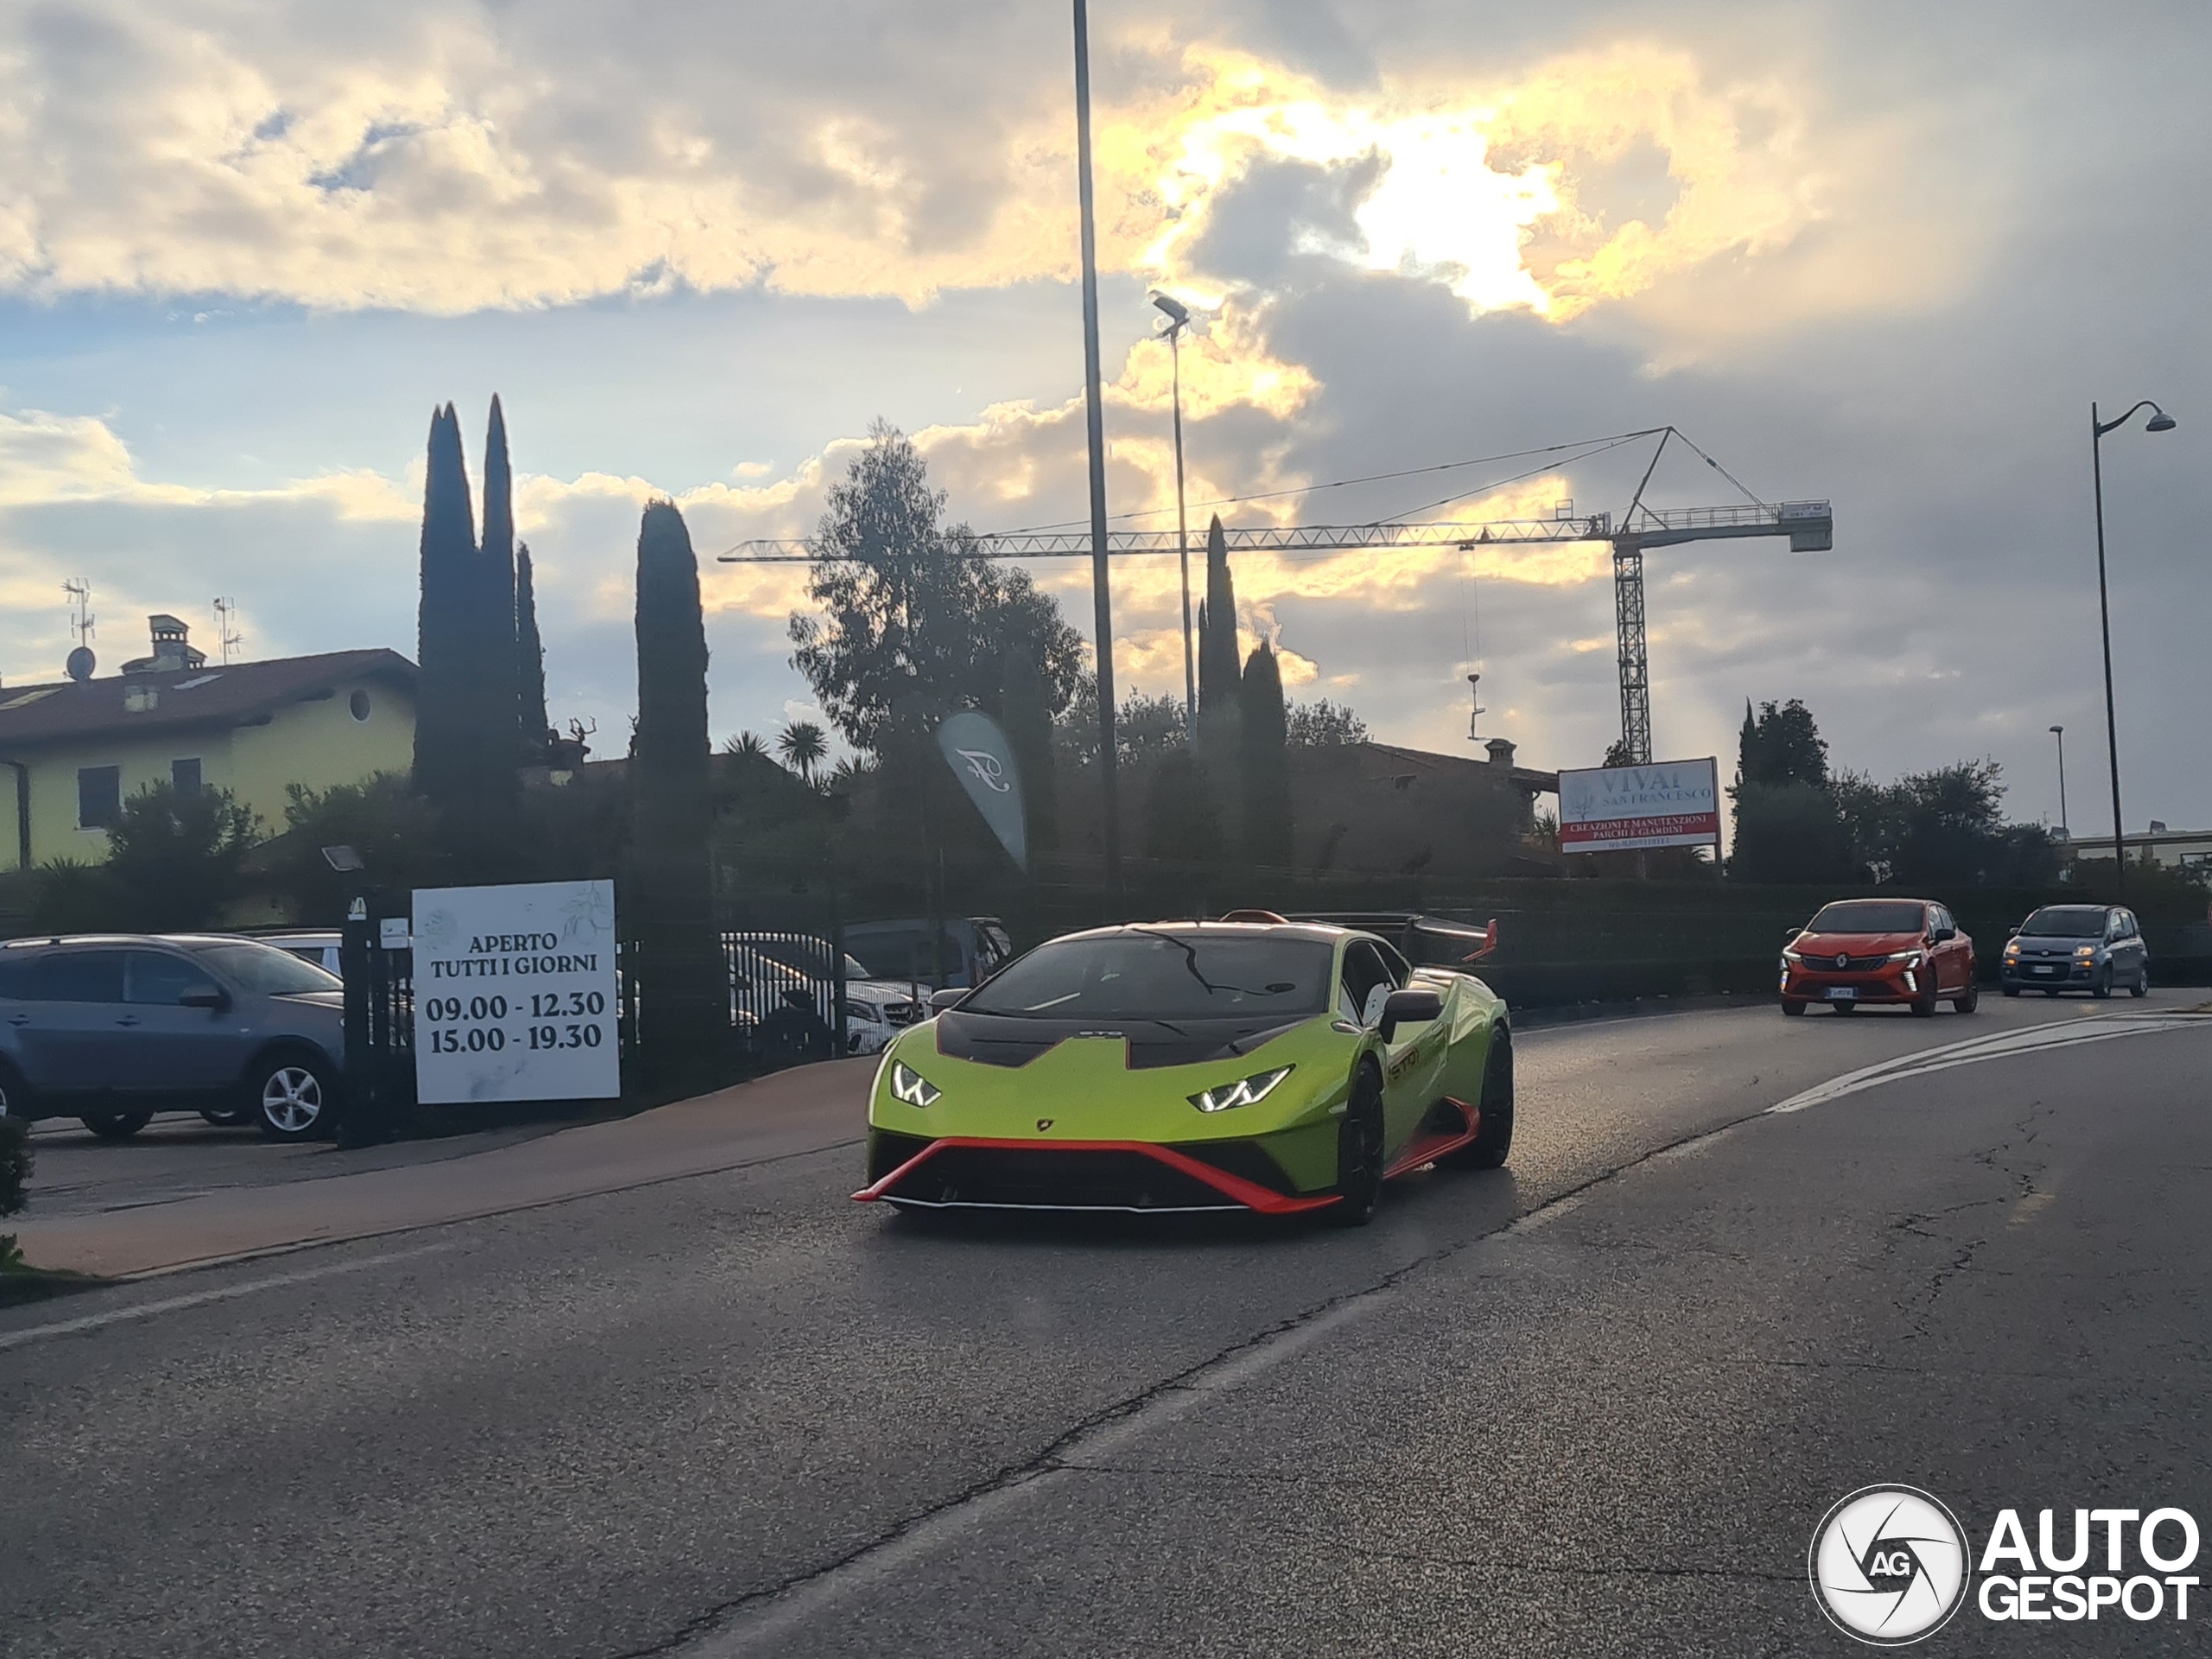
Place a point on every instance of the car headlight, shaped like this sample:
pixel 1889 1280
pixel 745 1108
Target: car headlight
pixel 911 1086
pixel 1909 956
pixel 864 1011
pixel 2085 951
pixel 1787 955
pixel 2014 948
pixel 1243 1092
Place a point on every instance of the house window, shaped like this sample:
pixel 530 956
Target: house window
pixel 100 797
pixel 184 778
pixel 358 705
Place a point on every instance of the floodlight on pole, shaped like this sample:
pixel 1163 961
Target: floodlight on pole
pixel 1178 318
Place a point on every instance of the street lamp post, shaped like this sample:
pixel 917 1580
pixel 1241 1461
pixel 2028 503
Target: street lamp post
pixel 1178 318
pixel 2159 422
pixel 1094 425
pixel 2064 828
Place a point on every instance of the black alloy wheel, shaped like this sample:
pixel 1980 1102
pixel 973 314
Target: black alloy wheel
pixel 1494 1132
pixel 1359 1152
pixel 2142 985
pixel 116 1126
pixel 2100 988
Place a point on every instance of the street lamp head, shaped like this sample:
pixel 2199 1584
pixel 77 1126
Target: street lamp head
pixel 2057 730
pixel 1177 313
pixel 2159 421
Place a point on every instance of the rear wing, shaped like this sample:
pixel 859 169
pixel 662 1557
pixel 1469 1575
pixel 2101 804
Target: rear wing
pixel 1420 938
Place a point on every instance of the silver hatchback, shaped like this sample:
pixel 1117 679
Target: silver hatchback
pixel 112 1028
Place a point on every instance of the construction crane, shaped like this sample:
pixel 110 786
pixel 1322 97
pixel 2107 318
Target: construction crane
pixel 1810 526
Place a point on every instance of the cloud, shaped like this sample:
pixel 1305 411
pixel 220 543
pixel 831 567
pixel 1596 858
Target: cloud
pixel 430 157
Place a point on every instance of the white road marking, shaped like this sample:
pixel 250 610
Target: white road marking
pixel 199 1298
pixel 2036 1039
pixel 762 1626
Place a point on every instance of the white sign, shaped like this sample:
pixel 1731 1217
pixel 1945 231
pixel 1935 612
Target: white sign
pixel 1623 809
pixel 515 993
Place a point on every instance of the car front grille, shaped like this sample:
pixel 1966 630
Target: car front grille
pixel 1015 1178
pixel 1830 964
pixel 901 1014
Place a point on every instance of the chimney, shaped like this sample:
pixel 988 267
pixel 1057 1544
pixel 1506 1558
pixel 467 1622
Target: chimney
pixel 1501 751
pixel 172 647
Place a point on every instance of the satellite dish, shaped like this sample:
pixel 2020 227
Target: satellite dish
pixel 80 664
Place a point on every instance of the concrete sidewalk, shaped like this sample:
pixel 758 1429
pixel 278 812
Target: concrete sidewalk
pixel 804 1109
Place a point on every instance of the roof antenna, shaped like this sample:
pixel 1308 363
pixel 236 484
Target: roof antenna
pixel 226 635
pixel 81 661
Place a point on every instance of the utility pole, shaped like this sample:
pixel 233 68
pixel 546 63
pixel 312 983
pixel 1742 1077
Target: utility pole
pixel 1094 427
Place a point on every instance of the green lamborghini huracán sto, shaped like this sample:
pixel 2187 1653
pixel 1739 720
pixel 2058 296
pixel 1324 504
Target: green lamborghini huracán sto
pixel 1161 1068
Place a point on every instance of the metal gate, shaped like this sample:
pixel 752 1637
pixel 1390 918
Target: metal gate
pixel 785 993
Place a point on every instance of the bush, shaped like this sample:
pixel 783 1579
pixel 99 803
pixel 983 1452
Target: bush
pixel 177 862
pixel 15 1176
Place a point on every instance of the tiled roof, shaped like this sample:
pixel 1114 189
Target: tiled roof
pixel 146 700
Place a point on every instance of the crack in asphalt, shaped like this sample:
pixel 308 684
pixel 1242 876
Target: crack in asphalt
pixel 738 1624
pixel 725 1628
pixel 1920 1311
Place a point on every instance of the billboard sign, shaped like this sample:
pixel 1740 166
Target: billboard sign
pixel 515 993
pixel 1628 808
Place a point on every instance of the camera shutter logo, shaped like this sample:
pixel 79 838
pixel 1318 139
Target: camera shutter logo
pixel 1888 1565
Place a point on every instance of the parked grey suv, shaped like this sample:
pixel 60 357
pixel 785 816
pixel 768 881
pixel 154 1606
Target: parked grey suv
pixel 110 1029
pixel 2093 948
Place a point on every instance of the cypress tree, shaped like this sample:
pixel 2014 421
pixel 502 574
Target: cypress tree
pixel 1028 725
pixel 682 978
pixel 1264 739
pixel 442 768
pixel 494 690
pixel 529 663
pixel 1219 685
pixel 1217 674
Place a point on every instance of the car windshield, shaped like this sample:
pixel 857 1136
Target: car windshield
pixel 804 956
pixel 1141 975
pixel 2066 922
pixel 264 969
pixel 1867 916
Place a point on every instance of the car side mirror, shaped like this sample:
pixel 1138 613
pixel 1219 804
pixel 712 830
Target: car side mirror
pixel 210 998
pixel 2011 932
pixel 1408 1007
pixel 1937 935
pixel 951 997
pixel 1790 933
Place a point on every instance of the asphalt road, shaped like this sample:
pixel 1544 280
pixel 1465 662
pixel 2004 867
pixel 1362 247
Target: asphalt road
pixel 1593 1403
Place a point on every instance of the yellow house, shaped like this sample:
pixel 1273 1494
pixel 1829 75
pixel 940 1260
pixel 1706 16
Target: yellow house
pixel 71 753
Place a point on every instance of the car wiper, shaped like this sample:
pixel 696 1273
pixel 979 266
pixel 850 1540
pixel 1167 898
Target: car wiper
pixel 1191 960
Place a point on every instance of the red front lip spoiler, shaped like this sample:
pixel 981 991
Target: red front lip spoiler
pixel 1251 1195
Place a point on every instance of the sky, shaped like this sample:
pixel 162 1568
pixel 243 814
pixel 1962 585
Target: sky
pixel 1882 254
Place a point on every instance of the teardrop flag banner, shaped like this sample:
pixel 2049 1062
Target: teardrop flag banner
pixel 976 748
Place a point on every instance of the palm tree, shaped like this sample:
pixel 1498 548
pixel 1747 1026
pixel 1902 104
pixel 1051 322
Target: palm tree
pixel 804 747
pixel 746 743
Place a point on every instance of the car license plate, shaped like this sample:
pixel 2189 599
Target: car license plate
pixel 2045 971
pixel 1843 993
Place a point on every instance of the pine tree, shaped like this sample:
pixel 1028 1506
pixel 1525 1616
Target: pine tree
pixel 529 663
pixel 443 762
pixel 682 978
pixel 1027 717
pixel 1264 738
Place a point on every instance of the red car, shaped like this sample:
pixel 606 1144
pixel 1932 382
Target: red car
pixel 1860 950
